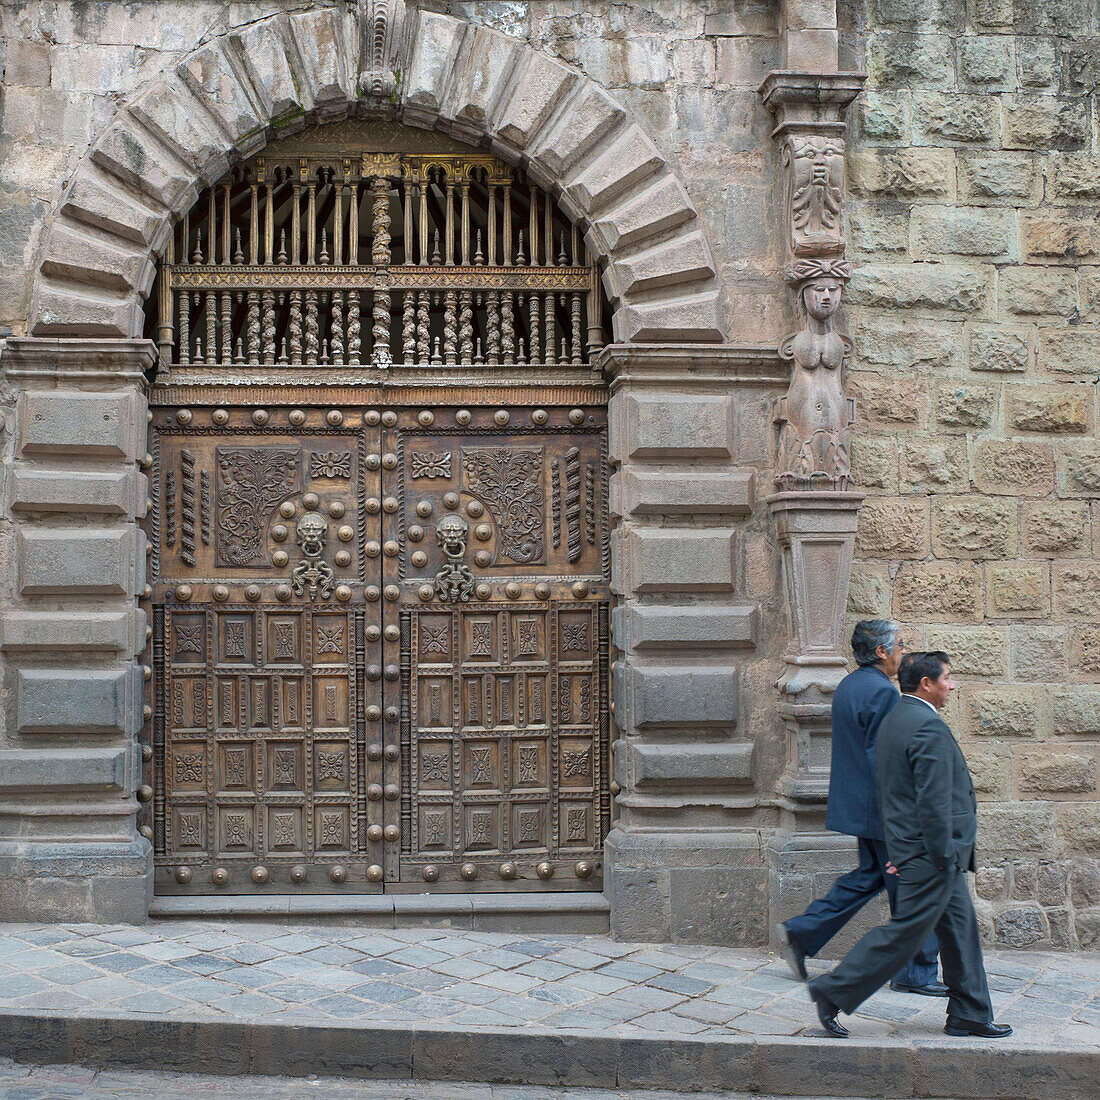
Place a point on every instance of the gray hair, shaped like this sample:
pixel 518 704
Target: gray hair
pixel 869 635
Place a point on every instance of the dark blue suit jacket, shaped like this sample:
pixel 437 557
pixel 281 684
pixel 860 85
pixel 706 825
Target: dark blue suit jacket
pixel 862 700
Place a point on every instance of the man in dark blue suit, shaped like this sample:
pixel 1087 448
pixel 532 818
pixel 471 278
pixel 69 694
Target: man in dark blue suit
pixel 861 701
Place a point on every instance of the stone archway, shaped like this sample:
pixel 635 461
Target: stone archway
pixel 225 99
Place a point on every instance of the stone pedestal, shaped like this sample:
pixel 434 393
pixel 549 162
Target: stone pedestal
pixel 70 769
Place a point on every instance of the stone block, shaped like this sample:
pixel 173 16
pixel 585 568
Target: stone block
pixel 877 229
pixel 1016 828
pixel 97 201
pixel 1037 292
pixel 212 78
pixel 436 41
pixel 93 258
pixel 974 650
pixel 75 701
pixel 540 88
pixel 921 173
pixel 1000 711
pixel 1044 122
pixel 1050 409
pixel 133 155
pixel 1000 350
pixel 882 118
pixel 1086 652
pixel 951 118
pixel 1038 60
pixel 683 258
pixel 671 425
pixel 629 160
pixel 106 492
pixel 675 764
pixel 65 422
pixel 1013 467
pixel 942 231
pixel 973 527
pixel 934 466
pixel 989 883
pixel 319 35
pixel 902 60
pixel 893 528
pixel 727 905
pixel 169 111
pixel 1053 883
pixel 661 206
pixel 868 593
pixel 726 493
pixel 75 311
pixel 1080 827
pixel 1039 653
pixel 68 769
pixel 938 592
pixel 680 561
pixel 1076 589
pixel 986 62
pixel 482 78
pixel 684 626
pixel 1055 527
pixel 1020 926
pixel 999 178
pixel 875 462
pixel 936 346
pixel 676 696
pixel 1020 589
pixel 587 120
pixel 990 766
pixel 1057 773
pixel 27 63
pixel 933 289
pixel 1084 881
pixel 962 406
pixel 1080 469
pixel 1059 240
pixel 1070 353
pixel 108 631
pixel 263 49
pixel 1075 178
pixel 696 316
pixel 80 561
pixel 888 399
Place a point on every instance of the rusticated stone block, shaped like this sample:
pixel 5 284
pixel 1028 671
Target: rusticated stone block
pixel 1039 653
pixel 987 62
pixel 989 882
pixel 903 174
pixel 482 77
pixel 1070 353
pixel 96 200
pixel 1044 122
pixel 106 492
pixel 82 769
pixel 875 462
pixel 587 120
pixel 938 592
pixel 263 49
pixel 626 162
pixel 1000 350
pixel 878 230
pixel 436 43
pixel 543 84
pixel 728 493
pixel 1032 292
pixel 1021 926
pixel 1016 828
pixel 894 399
pixel 64 422
pixel 1000 712
pixel 684 258
pixel 1077 589
pixel 126 151
pixel 1080 826
pixel 697 315
pixel 1075 179
pixel 1059 240
pixel 170 111
pixel 999 178
pixel 320 39
pixel 934 466
pixel 939 231
pixel 75 701
pixel 72 630
pixel 80 561
pixel 868 592
pixel 990 767
pixel 1010 467
pixel 893 528
pixel 69 310
pixel 1018 588
pixel 973 527
pixel 900 60
pixel 959 406
pixel 681 560
pixel 948 118
pixel 1057 773
pixel 1077 712
pixel 661 206
pixel 211 76
pixel 1080 469
pixel 1050 409
pixel 1084 882
pixel 670 425
pixel 1053 883
pixel 974 650
pixel 1038 59
pixel 1086 651
pixel 711 766
pixel 676 696
pixel 679 626
pixel 935 289
pixel 882 118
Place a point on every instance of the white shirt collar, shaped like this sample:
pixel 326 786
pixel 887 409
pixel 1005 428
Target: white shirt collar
pixel 907 695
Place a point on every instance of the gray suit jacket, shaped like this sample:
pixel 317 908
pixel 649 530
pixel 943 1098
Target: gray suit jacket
pixel 926 795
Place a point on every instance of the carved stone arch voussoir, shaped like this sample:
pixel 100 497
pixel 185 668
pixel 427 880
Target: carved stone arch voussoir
pixel 225 99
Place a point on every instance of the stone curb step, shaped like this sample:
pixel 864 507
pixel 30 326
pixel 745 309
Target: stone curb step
pixel 581 913
pixel 966 1070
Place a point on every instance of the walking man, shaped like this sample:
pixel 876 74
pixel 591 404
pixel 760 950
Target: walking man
pixel 861 701
pixel 928 809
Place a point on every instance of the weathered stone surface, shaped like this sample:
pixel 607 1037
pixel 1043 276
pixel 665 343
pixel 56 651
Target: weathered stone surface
pixel 973 527
pixel 319 37
pixel 67 310
pixel 95 259
pixel 170 111
pixel 987 62
pixel 990 767
pixel 81 769
pixel 962 406
pixel 883 118
pixel 677 626
pixel 1080 826
pixel 1013 468
pixel 1031 292
pixel 73 701
pixel 903 60
pixel 1051 409
pixel 989 882
pixel 1077 712
pixel 875 462
pixel 587 121
pixel 661 206
pixel 1076 589
pixel 868 593
pixel 1059 240
pixel 974 650
pixel 1044 122
pixel 677 696
pixel 68 562
pixel 1057 773
pixel 630 159
pixel 636 492
pixel 131 153
pixel 436 42
pixel 931 288
pixel 697 317
pixel 657 764
pixel 96 200
pixel 1070 353
pixel 680 561
pixel 1075 178
pixel 684 258
pixel 1021 828
pixel 482 77
pixel 893 529
pixel 1001 178
pixel 1080 469
pixel 910 174
pixel 71 630
pixel 1018 588
pixel 877 231
pixel 946 118
pixel 938 231
pixel 1000 712
pixel 664 425
pixel 1021 926
pixel 1086 651
pixel 263 49
pixel 67 422
pixel 887 399
pixel 938 592
pixel 1038 59
pixel 934 466
pixel 542 85
pixel 212 79
pixel 1084 882
pixel 1039 653
pixel 107 492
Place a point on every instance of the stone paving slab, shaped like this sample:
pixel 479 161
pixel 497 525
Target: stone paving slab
pixel 429 1003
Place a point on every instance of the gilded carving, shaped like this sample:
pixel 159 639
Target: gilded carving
pixel 252 481
pixel 509 481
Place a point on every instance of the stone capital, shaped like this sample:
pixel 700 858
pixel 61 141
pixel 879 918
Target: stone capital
pixel 812 103
pixel 43 361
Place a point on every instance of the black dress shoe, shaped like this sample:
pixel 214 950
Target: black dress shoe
pixel 956 1025
pixel 792 952
pixel 930 989
pixel 826 1013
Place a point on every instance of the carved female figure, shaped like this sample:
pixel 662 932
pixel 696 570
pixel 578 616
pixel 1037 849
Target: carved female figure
pixel 815 416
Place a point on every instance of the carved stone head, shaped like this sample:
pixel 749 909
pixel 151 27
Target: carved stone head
pixel 311 533
pixel 819 285
pixel 451 533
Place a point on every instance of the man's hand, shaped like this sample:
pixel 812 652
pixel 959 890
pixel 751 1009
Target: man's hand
pixel 890 868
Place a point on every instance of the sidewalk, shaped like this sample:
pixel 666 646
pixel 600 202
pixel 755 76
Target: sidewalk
pixel 456 1001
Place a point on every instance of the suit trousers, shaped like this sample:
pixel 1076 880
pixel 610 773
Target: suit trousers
pixel 928 900
pixel 825 917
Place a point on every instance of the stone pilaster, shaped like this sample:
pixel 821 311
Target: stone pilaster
pixel 683 859
pixel 70 766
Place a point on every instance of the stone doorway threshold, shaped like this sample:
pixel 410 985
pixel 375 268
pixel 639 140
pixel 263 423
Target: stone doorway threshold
pixel 575 912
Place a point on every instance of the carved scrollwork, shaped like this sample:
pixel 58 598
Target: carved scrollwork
pixel 312 574
pixel 251 483
pixel 509 481
pixel 454 582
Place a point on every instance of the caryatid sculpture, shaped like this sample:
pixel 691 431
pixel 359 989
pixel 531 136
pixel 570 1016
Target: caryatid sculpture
pixel 815 416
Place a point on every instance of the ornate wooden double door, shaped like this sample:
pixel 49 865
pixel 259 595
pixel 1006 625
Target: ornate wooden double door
pixel 380 639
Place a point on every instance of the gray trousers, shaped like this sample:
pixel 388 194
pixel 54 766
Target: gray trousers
pixel 927 901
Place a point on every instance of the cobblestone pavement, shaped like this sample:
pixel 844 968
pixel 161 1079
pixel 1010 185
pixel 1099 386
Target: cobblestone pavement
pixel 318 973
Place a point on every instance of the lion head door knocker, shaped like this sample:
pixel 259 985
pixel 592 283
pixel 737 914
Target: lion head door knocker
pixel 454 581
pixel 312 573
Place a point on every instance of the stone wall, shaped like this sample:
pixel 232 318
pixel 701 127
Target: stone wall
pixel 974 176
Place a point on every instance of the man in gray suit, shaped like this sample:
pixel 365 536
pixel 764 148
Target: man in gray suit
pixel 928 809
